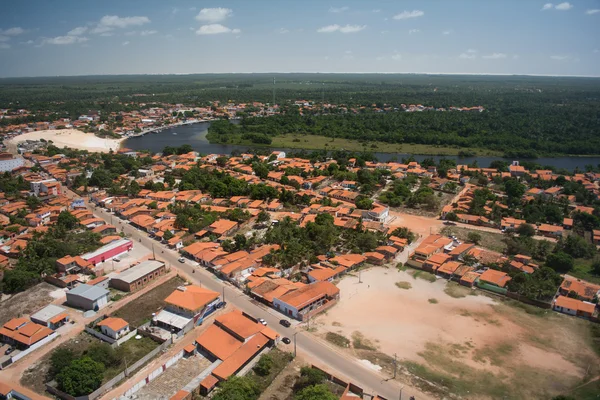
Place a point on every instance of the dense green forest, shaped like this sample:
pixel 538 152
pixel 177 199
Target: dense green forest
pixel 524 116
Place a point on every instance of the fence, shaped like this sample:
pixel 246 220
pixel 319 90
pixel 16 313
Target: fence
pixel 52 386
pixel 22 354
pixel 523 299
pixel 154 374
pixel 491 288
pixel 113 342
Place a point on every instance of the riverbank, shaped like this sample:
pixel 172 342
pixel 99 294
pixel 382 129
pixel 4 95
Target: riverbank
pixel 315 142
pixel 72 138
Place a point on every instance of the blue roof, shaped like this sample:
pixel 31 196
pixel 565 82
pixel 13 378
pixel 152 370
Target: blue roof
pixel 88 291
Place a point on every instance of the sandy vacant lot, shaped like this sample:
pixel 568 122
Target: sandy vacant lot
pixel 71 138
pixel 473 345
pixel 25 303
pixel 422 225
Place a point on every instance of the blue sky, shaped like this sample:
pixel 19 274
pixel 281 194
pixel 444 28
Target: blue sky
pixel 75 37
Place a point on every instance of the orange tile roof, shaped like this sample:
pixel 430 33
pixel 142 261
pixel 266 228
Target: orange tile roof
pixel 116 324
pixel 305 295
pixel 240 324
pixel 574 304
pixel 182 394
pixel 233 364
pixel 209 382
pixel 192 297
pixel 496 277
pixel 218 342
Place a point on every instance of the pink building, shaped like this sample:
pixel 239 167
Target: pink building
pixel 109 251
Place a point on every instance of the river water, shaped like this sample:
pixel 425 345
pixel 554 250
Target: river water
pixel 195 135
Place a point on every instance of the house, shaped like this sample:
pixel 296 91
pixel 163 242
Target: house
pixel 581 289
pixel 186 307
pixel 51 316
pixel 71 265
pixel 87 297
pixel 138 276
pixel 22 333
pixel 495 278
pixel 114 328
pixel 550 230
pixel 109 251
pixel 307 300
pixel 7 393
pixel 567 305
pixel 222 227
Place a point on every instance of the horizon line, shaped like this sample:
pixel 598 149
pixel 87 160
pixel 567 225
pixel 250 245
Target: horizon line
pixel 300 72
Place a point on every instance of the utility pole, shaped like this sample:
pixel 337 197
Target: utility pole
pixel 359 280
pixel 295 344
pixel 223 294
pixel 395 369
pixel 153 255
pixel 401 387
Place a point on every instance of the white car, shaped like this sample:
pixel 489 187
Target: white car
pixel 262 321
pixel 181 260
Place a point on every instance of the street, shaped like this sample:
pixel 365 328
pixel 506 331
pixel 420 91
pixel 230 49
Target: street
pixel 312 348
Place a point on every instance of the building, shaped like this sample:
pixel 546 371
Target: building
pixel 72 265
pixel 8 162
pixel 6 393
pixel 87 297
pixel 307 300
pixel 51 316
pixel 567 305
pixel 186 307
pixel 236 339
pixel 108 251
pixel 22 333
pixel 494 278
pixel 114 328
pixel 138 276
pixel 46 187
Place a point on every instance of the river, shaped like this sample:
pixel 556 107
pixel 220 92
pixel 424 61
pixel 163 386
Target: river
pixel 195 135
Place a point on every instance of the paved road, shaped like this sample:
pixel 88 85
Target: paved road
pixel 319 352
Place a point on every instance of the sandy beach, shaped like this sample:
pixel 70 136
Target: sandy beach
pixel 72 138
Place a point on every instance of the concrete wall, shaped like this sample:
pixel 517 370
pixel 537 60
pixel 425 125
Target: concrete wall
pixel 108 339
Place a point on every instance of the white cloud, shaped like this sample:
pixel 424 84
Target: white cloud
pixel 560 57
pixel 342 29
pixel 595 51
pixel 338 9
pixel 125 43
pixel 593 11
pixel 547 6
pixel 175 10
pixel 212 15
pixel 397 57
pixel 411 31
pixel 471 51
pixel 215 29
pixel 380 58
pixel 283 31
pixel 469 55
pixel 564 6
pixel 4 38
pixel 409 14
pixel 12 31
pixel 114 21
pixel 515 56
pixel 130 33
pixel 494 56
pixel 64 40
pixel 80 30
pixel 447 32
pixel 147 33
pixel 376 10
pixel 4 46
pixel 107 34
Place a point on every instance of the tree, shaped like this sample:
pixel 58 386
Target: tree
pixel 560 261
pixel 60 359
pixel 168 235
pixel 474 237
pixel 317 392
pixel 260 169
pixel 596 266
pixel 81 377
pixel 264 365
pixel 309 377
pixel 363 202
pixel 221 161
pixel 33 202
pixel 404 233
pixel 67 220
pixel 526 230
pixel 153 205
pixel 451 216
pixel 237 388
pixel 263 216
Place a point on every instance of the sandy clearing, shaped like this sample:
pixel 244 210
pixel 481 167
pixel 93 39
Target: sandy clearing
pixel 405 322
pixel 424 226
pixel 72 138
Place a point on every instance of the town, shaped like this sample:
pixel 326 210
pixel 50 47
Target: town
pixel 224 266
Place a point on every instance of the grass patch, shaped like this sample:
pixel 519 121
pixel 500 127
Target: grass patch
pixel 496 355
pixel 528 308
pixel 134 349
pixel 359 342
pixel 489 240
pixel 280 360
pixel 433 301
pixel 480 316
pixel 453 289
pixel 335 323
pixel 139 310
pixel 403 285
pixel 583 270
pixel 429 277
pixel 401 267
pixel 337 339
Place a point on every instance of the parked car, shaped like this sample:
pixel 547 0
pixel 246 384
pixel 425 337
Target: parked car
pixel 285 323
pixel 8 351
pixel 286 340
pixel 181 260
pixel 449 223
pixel 262 321
pixel 116 259
pixel 221 304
